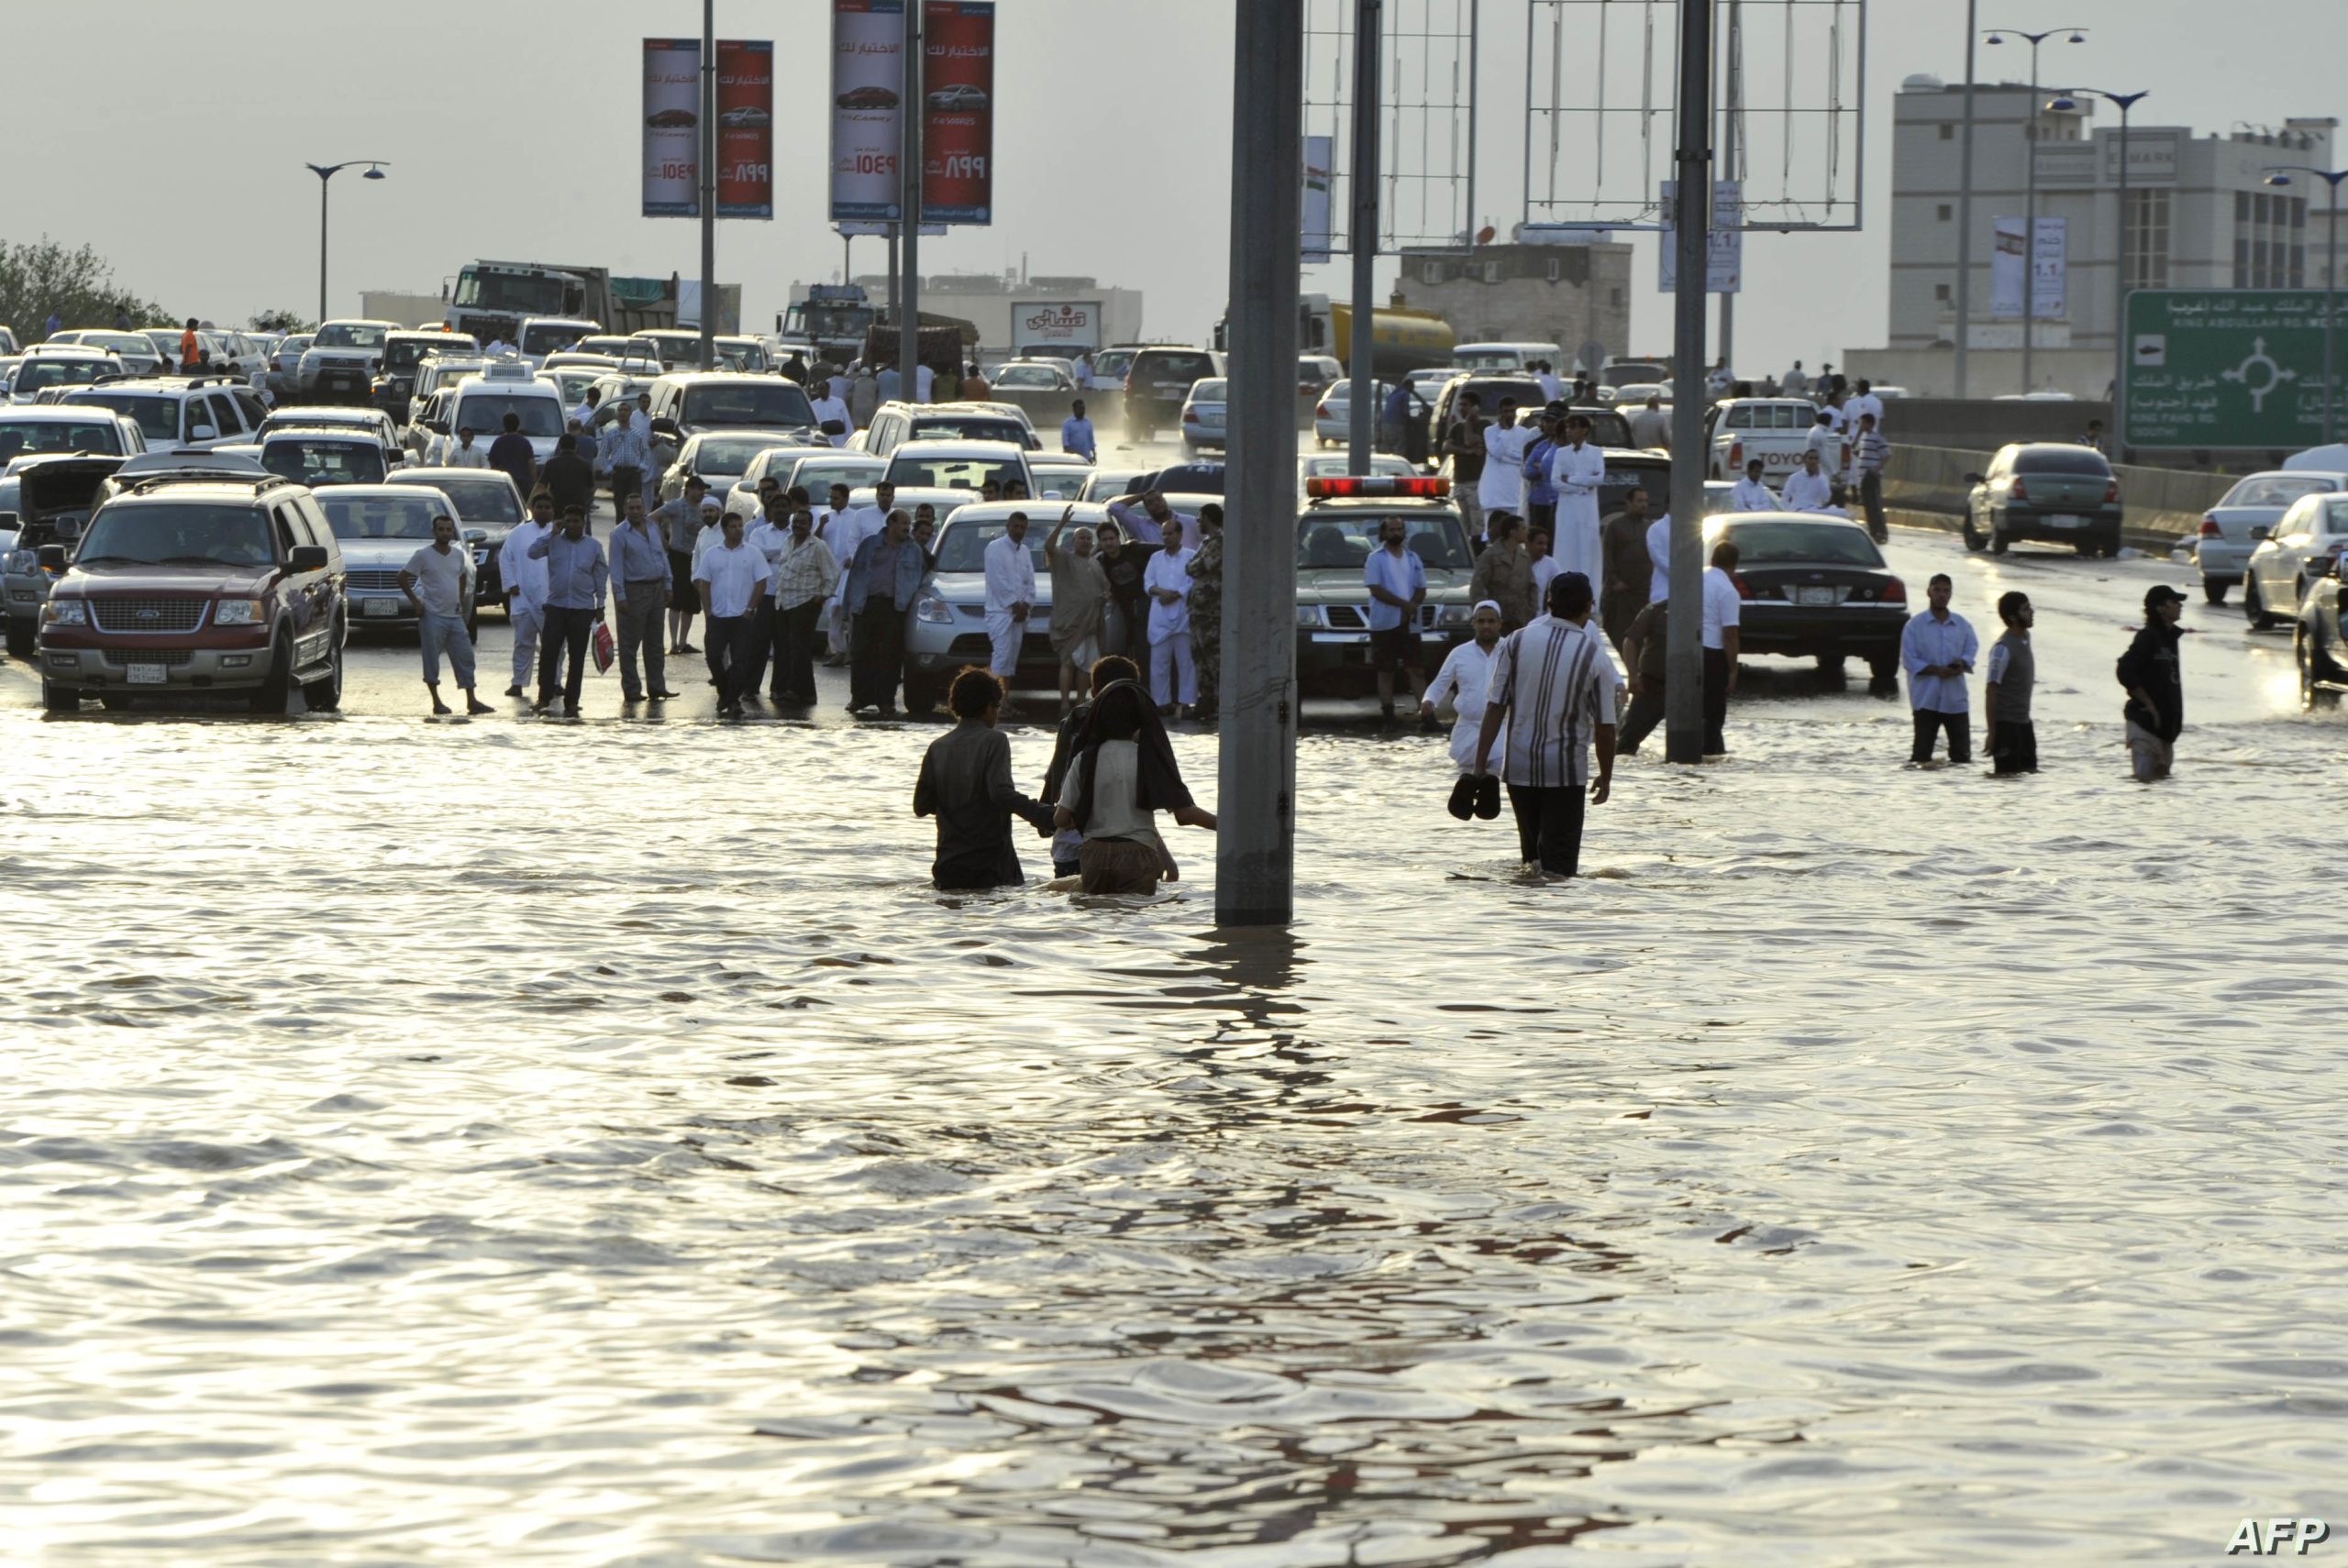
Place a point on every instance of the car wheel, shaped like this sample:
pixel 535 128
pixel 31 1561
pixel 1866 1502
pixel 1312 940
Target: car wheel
pixel 326 696
pixel 2213 589
pixel 2254 609
pixel 1973 540
pixel 21 636
pixel 2312 696
pixel 1883 674
pixel 1832 665
pixel 58 698
pixel 277 687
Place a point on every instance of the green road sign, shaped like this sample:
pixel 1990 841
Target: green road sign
pixel 2228 367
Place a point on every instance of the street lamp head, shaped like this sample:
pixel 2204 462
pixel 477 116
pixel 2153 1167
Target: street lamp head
pixel 1997 38
pixel 2063 106
pixel 2077 37
pixel 2278 179
pixel 374 171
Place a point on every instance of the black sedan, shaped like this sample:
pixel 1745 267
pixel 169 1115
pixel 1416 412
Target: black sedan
pixel 2320 643
pixel 1814 586
pixel 2052 490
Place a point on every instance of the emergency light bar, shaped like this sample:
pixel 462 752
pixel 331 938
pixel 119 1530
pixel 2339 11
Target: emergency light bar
pixel 1424 487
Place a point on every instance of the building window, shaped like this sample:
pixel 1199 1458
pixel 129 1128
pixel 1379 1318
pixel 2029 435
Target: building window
pixel 2242 263
pixel 2298 278
pixel 2145 260
pixel 1616 299
pixel 1944 212
pixel 1939 291
pixel 1948 130
pixel 2242 206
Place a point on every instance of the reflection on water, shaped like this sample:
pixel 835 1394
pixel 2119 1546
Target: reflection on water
pixel 569 1147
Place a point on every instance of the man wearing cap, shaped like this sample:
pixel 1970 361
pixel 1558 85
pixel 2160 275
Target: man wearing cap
pixel 1552 692
pixel 1466 681
pixel 1938 651
pixel 2151 674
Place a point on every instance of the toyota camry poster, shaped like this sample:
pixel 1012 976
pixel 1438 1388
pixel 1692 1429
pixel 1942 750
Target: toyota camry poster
pixel 868 83
pixel 671 127
pixel 957 117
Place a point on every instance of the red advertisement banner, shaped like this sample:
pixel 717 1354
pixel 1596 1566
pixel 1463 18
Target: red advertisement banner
pixel 958 113
pixel 745 128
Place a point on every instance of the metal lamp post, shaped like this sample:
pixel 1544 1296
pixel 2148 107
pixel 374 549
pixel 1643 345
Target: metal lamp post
pixel 325 172
pixel 2280 174
pixel 2030 201
pixel 2126 101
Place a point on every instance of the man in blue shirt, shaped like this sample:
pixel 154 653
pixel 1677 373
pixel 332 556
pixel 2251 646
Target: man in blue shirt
pixel 1394 416
pixel 1397 580
pixel 1938 651
pixel 577 574
pixel 1076 434
pixel 1540 490
pixel 881 583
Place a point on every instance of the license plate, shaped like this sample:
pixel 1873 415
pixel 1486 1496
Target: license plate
pixel 379 607
pixel 1813 596
pixel 148 675
pixel 2066 520
pixel 1341 637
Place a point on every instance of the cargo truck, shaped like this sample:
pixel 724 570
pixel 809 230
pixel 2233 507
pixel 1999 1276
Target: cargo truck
pixel 1401 340
pixel 490 299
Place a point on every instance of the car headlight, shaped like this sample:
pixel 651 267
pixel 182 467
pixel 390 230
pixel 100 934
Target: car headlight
pixel 1308 615
pixel 237 613
pixel 21 562
pixel 65 613
pixel 935 610
pixel 1455 615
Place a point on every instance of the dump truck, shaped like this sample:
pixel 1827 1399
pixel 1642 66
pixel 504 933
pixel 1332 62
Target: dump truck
pixel 1401 340
pixel 490 299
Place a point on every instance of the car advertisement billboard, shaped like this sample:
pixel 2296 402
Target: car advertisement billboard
pixel 868 81
pixel 671 127
pixel 744 128
pixel 958 115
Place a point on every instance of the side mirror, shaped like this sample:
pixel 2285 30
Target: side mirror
pixel 202 432
pixel 2259 531
pixel 53 558
pixel 1973 478
pixel 307 558
pixel 664 427
pixel 477 535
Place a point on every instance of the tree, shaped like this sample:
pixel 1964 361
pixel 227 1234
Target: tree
pixel 39 277
pixel 283 321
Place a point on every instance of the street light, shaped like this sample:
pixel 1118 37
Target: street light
pixel 2126 101
pixel 2029 211
pixel 2280 174
pixel 325 172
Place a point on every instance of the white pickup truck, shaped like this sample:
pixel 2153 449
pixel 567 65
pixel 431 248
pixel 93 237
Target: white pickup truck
pixel 1774 429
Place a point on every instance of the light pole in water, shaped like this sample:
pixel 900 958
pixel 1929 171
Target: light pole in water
pixel 325 172
pixel 2280 174
pixel 2126 101
pixel 2030 165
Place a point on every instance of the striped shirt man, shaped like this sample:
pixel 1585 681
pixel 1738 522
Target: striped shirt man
pixel 1559 687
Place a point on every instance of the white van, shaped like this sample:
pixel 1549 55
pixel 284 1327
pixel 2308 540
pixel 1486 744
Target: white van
pixel 1516 357
pixel 482 401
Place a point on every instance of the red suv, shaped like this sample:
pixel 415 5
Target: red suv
pixel 197 583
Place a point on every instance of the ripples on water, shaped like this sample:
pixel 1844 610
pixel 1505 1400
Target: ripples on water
pixel 546 1144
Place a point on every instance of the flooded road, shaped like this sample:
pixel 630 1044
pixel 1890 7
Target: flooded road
pixel 569 1144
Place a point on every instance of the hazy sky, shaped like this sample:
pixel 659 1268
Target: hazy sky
pixel 511 131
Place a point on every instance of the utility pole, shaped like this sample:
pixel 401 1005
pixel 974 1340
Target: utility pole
pixel 1683 691
pixel 1255 855
pixel 1369 33
pixel 1965 206
pixel 708 160
pixel 909 157
pixel 1733 94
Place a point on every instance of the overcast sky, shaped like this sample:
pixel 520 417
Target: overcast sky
pixel 512 130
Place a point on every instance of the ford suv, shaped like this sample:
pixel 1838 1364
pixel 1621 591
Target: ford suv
pixel 53 500
pixel 197 583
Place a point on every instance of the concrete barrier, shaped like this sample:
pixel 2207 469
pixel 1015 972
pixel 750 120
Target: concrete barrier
pixel 2159 506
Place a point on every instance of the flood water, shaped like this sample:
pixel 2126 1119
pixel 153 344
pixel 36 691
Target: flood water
pixel 570 1145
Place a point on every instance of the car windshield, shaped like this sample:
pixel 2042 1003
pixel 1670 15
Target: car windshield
pixel 486 412
pixel 154 534
pixel 550 337
pixel 1774 543
pixel 479 498
pixel 2277 490
pixel 949 428
pixel 952 474
pixel 35 374
pixel 816 477
pixel 403 353
pixel 1183 368
pixel 1039 376
pixel 963 546
pixel 1336 464
pixel 742 354
pixel 1490 358
pixel 159 417
pixel 349 335
pixel 752 401
pixel 334 459
pixel 684 349
pixel 20 437
pixel 379 517
pixel 518 292
pixel 2085 460
pixel 291 347
pixel 730 454
pixel 1214 391
pixel 1061 484
pixel 1327 541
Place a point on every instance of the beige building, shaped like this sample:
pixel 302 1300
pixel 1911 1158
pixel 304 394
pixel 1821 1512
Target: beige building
pixel 1565 295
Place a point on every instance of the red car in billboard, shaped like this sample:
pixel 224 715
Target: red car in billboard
pixel 868 98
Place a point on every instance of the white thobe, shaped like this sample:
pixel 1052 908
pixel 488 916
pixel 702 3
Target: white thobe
pixel 1807 491
pixel 1466 678
pixel 1502 488
pixel 1753 495
pixel 1659 557
pixel 1577 472
pixel 1010 579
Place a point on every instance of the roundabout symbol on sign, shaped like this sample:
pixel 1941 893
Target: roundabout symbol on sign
pixel 2275 375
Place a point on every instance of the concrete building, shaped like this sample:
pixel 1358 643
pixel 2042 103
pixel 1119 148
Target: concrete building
pixel 1057 306
pixel 407 309
pixel 1565 295
pixel 2199 216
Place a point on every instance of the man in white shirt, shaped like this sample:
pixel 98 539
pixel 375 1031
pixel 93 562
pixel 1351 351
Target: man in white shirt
pixel 1938 651
pixel 438 580
pixel 1010 595
pixel 832 419
pixel 1723 616
pixel 464 454
pixel 1659 557
pixel 525 580
pixel 925 379
pixel 1552 692
pixel 1173 678
pixel 1752 494
pixel 1795 382
pixel 1464 680
pixel 1502 488
pixel 1578 469
pixel 769 536
pixel 732 579
pixel 1807 489
pixel 1545 374
pixel 1862 402
pixel 1720 379
pixel 585 411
